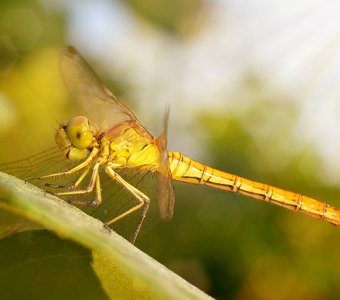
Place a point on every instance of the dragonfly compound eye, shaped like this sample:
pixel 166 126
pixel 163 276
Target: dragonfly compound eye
pixel 79 132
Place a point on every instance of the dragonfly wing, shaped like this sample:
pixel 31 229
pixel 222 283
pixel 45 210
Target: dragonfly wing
pixel 166 196
pixel 94 97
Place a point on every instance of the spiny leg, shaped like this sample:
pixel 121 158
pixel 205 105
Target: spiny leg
pixel 94 181
pixel 141 198
pixel 96 202
pixel 81 178
pixel 72 186
pixel 98 191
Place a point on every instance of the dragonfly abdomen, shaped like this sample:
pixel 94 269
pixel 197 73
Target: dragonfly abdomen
pixel 187 170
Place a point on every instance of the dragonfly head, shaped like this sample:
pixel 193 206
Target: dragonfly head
pixel 75 138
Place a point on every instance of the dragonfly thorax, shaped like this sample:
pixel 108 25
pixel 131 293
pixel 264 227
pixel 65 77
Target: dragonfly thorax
pixel 130 146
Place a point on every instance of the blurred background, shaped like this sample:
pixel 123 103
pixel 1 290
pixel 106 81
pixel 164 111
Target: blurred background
pixel 253 88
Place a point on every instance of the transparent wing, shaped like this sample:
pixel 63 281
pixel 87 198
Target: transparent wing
pixel 50 160
pixel 116 199
pixel 100 105
pixel 166 197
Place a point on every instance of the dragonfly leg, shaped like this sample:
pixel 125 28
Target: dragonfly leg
pixel 80 179
pixel 98 191
pixel 72 186
pixel 141 198
pixel 96 202
pixel 82 165
pixel 94 182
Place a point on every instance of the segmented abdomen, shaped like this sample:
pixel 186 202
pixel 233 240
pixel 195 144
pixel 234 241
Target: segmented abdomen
pixel 185 169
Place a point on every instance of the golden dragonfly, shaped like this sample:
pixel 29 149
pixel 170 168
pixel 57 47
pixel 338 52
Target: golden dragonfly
pixel 111 139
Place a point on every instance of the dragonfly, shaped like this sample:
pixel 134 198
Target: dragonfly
pixel 111 139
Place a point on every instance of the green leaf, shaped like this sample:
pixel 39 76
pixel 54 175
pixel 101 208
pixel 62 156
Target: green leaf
pixel 124 272
pixel 39 265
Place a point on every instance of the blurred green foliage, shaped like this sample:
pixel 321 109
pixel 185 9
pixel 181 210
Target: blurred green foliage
pixel 39 252
pixel 172 16
pixel 227 245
